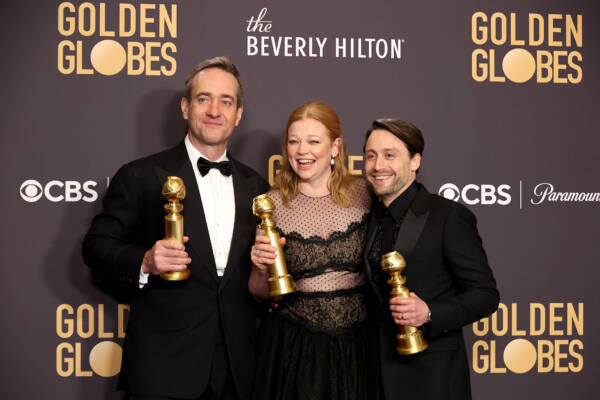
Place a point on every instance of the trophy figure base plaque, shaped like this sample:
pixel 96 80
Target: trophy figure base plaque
pixel 174 191
pixel 280 282
pixel 281 285
pixel 176 275
pixel 410 342
pixel 409 339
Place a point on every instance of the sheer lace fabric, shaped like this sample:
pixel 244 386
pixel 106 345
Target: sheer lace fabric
pixel 316 344
pixel 323 253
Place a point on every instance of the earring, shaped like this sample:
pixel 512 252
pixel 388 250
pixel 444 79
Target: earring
pixel 332 160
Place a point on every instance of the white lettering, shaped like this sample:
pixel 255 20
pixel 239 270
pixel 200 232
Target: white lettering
pixel 545 192
pixel 72 191
pixel 259 24
pixel 49 195
pixel 251 46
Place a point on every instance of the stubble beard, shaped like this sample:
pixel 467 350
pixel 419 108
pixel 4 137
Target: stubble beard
pixel 392 190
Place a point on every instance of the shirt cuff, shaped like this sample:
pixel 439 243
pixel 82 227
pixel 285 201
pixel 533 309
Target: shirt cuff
pixel 143 278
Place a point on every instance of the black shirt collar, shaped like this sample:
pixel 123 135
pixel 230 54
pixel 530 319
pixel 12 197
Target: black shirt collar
pixel 400 205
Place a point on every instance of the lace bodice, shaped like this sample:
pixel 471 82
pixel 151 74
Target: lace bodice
pixel 323 253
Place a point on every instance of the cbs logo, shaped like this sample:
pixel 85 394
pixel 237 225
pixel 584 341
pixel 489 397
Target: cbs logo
pixel 56 191
pixel 471 194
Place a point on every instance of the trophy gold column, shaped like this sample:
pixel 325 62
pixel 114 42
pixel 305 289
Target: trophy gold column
pixel 280 282
pixel 410 339
pixel 174 191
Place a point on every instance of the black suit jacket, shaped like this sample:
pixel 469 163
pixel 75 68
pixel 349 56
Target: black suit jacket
pixel 446 266
pixel 173 326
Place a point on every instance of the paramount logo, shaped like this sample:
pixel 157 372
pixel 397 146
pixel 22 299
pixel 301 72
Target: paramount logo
pixel 545 192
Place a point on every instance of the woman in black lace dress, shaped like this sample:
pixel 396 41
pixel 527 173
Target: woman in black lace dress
pixel 315 343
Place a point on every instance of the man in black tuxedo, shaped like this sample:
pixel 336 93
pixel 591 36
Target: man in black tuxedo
pixel 192 338
pixel 447 271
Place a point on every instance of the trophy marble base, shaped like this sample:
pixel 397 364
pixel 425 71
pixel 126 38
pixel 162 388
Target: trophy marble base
pixel 176 275
pixel 410 342
pixel 281 285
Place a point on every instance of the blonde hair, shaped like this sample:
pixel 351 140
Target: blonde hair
pixel 341 181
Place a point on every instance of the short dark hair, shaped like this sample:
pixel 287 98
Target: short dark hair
pixel 410 135
pixel 223 63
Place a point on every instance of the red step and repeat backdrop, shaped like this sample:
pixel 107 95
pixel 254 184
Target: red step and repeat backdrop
pixel 506 93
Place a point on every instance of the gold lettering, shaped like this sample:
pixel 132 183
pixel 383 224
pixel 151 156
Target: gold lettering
pixel 544 65
pixel 78 358
pixel 80 69
pixel 482 327
pixel 479 70
pixel 145 20
pixel 169 59
pixel 513 32
pixel 66 24
pixel 545 355
pixel 479 33
pixel 558 355
pixel 168 20
pixel 103 31
pixel 553 319
pixel 536 20
pixel 481 362
pixel 575 318
pixel 88 310
pixel 533 308
pixel 121 320
pixel 573 32
pixel 134 57
pixel 91 28
pixel 579 366
pixel 503 310
pixel 126 9
pixel 272 170
pixel 493 77
pixel 498 40
pixel 577 77
pixel 515 330
pixel 64 364
pixel 559 67
pixel 66 63
pixel 552 29
pixel 493 368
pixel 64 325
pixel 150 58
pixel 351 161
pixel 101 332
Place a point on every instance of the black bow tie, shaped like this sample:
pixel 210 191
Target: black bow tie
pixel 205 165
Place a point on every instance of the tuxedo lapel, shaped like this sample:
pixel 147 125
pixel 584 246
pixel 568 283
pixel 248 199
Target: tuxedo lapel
pixel 413 223
pixel 410 231
pixel 242 226
pixel 194 220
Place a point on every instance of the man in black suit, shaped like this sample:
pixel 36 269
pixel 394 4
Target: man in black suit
pixel 192 338
pixel 451 284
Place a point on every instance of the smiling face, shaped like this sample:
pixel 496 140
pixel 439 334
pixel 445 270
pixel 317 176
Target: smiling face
pixel 389 167
pixel 211 111
pixel 309 149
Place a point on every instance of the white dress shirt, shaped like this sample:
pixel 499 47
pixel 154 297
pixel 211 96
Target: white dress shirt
pixel 218 202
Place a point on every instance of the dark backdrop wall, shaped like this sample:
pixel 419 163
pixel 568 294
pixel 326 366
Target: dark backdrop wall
pixel 506 93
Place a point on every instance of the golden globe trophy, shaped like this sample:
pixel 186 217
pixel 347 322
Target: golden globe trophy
pixel 280 282
pixel 410 339
pixel 174 191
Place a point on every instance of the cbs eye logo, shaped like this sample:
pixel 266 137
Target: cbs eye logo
pixel 57 191
pixel 31 191
pixel 449 191
pixel 471 194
